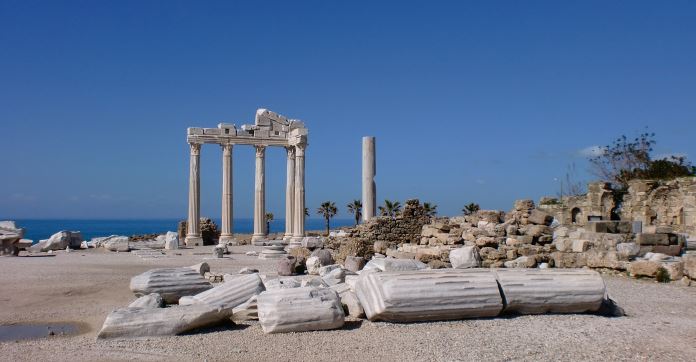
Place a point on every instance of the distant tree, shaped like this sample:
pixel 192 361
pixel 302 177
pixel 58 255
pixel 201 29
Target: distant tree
pixel 429 209
pixel 306 211
pixel 355 208
pixel 269 218
pixel 471 208
pixel 625 160
pixel 327 210
pixel 390 208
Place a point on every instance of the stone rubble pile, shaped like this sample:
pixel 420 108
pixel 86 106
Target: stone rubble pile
pixel 11 239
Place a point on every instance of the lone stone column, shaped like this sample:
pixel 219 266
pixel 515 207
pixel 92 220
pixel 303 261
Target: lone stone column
pixel 290 194
pixel 298 230
pixel 369 169
pixel 226 233
pixel 260 195
pixel 193 235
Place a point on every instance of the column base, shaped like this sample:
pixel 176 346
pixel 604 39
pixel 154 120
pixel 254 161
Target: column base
pixel 226 239
pixel 297 238
pixel 193 240
pixel 259 237
pixel 287 237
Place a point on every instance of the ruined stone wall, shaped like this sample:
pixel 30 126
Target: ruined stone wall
pixel 667 203
pixel 393 231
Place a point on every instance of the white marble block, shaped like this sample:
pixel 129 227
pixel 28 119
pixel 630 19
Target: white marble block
pixel 428 295
pixel 535 291
pixel 465 257
pixel 390 265
pixel 170 283
pixel 230 294
pixel 299 310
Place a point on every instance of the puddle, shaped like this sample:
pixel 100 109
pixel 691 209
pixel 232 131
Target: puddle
pixel 15 332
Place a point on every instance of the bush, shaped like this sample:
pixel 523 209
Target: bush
pixel 662 275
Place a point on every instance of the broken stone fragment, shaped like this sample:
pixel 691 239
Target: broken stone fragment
pixel 144 322
pixel 299 310
pixel 352 303
pixel 465 257
pixel 354 263
pixel 170 283
pixel 152 300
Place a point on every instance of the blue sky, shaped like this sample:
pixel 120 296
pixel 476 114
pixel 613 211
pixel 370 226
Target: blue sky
pixel 470 101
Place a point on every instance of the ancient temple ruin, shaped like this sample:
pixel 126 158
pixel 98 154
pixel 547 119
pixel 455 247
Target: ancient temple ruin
pixel 269 129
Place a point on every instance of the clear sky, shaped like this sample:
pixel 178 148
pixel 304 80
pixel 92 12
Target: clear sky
pixel 482 102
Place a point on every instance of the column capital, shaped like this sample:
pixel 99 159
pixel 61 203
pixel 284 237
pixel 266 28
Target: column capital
pixel 226 149
pixel 291 151
pixel 195 148
pixel 300 149
pixel 260 150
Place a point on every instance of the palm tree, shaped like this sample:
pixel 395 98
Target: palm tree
pixel 390 208
pixel 471 208
pixel 429 209
pixel 269 218
pixel 355 208
pixel 306 211
pixel 327 210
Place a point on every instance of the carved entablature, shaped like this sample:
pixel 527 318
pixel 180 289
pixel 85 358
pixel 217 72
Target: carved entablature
pixel 269 129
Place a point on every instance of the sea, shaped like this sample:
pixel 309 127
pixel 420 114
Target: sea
pixel 37 229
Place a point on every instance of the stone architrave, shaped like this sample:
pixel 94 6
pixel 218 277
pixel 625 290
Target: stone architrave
pixel 193 235
pixel 369 169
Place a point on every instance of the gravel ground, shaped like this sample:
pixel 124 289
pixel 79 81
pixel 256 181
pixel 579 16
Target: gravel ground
pixel 84 286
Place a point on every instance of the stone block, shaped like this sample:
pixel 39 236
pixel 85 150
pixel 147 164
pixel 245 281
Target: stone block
pixel 285 266
pixel 671 250
pixel 580 246
pixel 230 294
pixel 535 291
pixel 539 217
pixel 643 268
pixel 652 239
pixel 428 295
pixel 299 310
pixel 354 263
pixel 152 300
pixel 563 244
pixel 465 257
pixel 690 265
pixel 352 304
pixel 628 250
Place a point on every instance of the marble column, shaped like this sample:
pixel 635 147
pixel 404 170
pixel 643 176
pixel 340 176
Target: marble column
pixel 290 194
pixel 260 195
pixel 369 169
pixel 193 234
pixel 227 223
pixel 298 230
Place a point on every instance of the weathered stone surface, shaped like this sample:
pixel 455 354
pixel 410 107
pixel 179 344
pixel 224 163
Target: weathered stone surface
pixel 690 265
pixel 388 264
pixel 535 291
pixel 145 322
pixel 282 283
pixel 539 217
pixel 299 310
pixel 200 268
pixel 675 269
pixel 10 238
pixel 652 239
pixel 116 243
pixel 354 263
pixel 580 245
pixel 352 303
pixel 313 264
pixel 324 256
pixel 58 241
pixel 230 294
pixel 171 240
pixel 521 262
pixel 334 277
pixel 286 266
pixel 428 295
pixel 643 268
pixel 152 300
pixel 312 242
pixel 628 250
pixel 465 257
pixel 246 311
pixel 671 250
pixel 170 283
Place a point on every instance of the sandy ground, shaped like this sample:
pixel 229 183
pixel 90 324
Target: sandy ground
pixel 84 286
